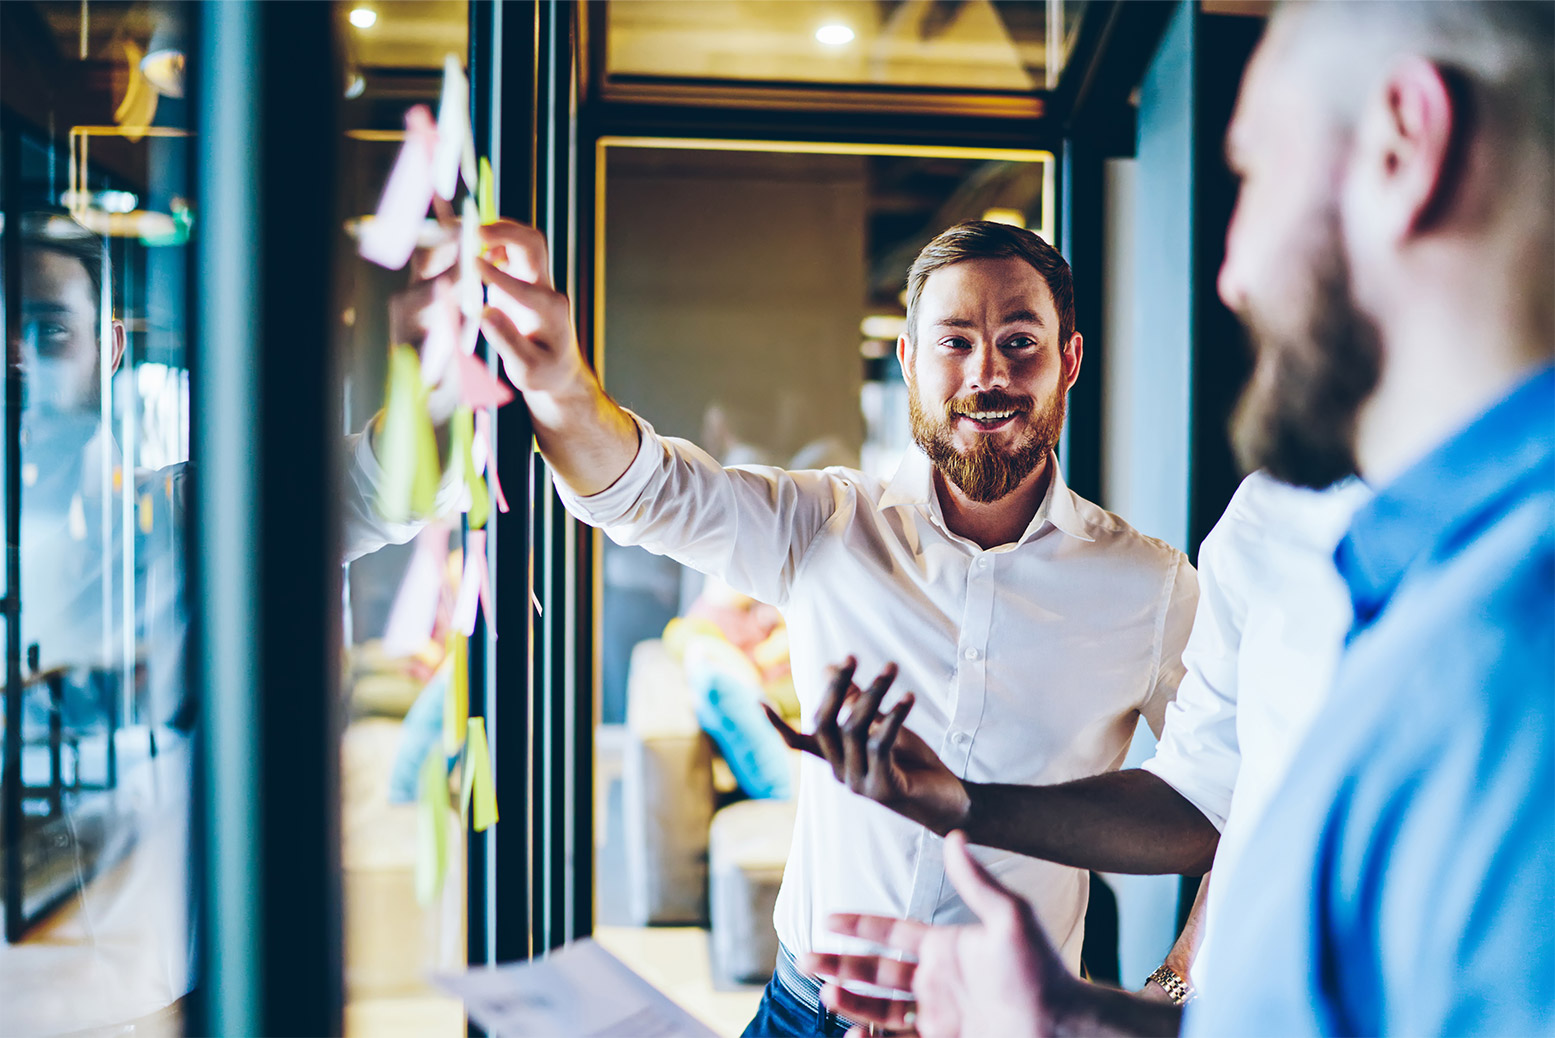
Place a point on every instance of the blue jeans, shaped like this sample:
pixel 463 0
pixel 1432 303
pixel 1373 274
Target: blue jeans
pixel 781 1015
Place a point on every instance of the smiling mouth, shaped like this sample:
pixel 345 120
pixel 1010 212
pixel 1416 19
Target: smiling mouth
pixel 987 421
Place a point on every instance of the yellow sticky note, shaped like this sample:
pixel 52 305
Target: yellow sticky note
pixel 486 192
pixel 477 787
pixel 432 827
pixel 456 701
pixel 407 444
pixel 461 444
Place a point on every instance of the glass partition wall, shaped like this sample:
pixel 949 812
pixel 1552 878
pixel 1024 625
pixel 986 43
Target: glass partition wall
pixel 96 761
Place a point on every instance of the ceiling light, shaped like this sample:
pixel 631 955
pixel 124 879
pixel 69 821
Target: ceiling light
pixel 363 17
pixel 834 35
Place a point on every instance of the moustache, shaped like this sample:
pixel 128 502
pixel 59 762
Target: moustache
pixel 989 400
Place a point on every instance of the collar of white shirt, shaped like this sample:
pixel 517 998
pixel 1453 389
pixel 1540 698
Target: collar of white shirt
pixel 913 487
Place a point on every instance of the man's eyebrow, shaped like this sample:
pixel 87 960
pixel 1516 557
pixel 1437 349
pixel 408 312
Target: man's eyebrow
pixel 1013 317
pixel 43 306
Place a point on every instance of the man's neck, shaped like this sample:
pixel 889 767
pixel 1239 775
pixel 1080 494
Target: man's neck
pixel 989 524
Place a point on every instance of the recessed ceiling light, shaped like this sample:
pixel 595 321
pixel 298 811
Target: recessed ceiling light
pixel 834 35
pixel 364 17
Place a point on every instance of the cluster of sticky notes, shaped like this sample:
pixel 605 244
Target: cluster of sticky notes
pixel 475 587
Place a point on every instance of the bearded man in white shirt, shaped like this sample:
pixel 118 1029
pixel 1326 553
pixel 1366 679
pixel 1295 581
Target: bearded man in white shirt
pixel 1037 627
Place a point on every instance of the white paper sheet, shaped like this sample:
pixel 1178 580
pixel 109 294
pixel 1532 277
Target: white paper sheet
pixel 581 990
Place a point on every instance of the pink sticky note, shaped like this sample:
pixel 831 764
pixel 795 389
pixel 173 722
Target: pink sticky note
pixel 389 238
pixel 478 387
pixel 474 587
pixel 483 445
pixel 414 614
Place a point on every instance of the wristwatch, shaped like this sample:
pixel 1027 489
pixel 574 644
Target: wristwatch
pixel 1174 984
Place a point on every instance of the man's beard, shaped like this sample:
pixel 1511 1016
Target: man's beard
pixel 987 472
pixel 1297 416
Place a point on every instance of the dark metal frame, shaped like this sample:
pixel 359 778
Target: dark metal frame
pixel 264 550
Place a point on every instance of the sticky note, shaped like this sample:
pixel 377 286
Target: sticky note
pixel 472 291
pixel 453 128
pixel 407 445
pixel 456 702
pixel 474 587
pixel 414 613
pixel 477 788
pixel 442 338
pixel 461 445
pixel 478 387
pixel 389 238
pixel 486 457
pixel 486 192
pixel 431 826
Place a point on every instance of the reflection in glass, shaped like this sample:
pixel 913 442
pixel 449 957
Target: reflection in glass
pixel 98 718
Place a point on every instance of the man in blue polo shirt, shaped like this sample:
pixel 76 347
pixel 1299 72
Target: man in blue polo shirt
pixel 1392 252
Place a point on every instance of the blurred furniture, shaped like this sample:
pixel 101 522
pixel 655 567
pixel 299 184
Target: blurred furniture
pixel 672 827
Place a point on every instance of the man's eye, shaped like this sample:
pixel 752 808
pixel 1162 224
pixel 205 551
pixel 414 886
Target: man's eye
pixel 955 342
pixel 1020 342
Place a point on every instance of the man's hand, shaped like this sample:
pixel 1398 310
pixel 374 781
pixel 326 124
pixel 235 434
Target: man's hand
pixel 999 976
pixel 527 320
pixel 874 756
pixel 586 437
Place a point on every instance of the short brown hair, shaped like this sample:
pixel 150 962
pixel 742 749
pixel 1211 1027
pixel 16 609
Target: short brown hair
pixel 984 239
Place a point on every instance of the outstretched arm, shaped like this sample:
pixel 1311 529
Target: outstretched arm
pixel 586 437
pixel 1126 821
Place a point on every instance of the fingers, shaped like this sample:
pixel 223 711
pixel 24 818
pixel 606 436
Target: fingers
pixel 795 740
pixel 527 252
pixel 827 736
pixel 982 893
pixel 882 736
pixel 855 731
pixel 884 1012
pixel 547 305
pixel 905 935
pixel 865 969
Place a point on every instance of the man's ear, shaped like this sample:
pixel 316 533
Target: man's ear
pixel 903 356
pixel 1072 355
pixel 117 346
pixel 1412 146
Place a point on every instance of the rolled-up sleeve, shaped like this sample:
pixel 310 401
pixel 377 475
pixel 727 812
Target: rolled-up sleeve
pixel 748 525
pixel 1198 754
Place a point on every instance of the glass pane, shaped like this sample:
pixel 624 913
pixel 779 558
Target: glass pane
pixel 403 921
pixel 97 747
pixel 750 302
pixel 994 45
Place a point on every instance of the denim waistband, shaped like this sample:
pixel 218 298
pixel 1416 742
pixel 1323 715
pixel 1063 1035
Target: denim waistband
pixel 804 987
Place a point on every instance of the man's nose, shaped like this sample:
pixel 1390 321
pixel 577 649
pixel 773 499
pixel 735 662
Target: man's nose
pixel 989 368
pixel 1229 281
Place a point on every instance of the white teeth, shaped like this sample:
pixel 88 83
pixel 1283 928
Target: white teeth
pixel 990 416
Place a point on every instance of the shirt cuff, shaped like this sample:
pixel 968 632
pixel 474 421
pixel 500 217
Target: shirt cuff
pixel 615 502
pixel 1213 802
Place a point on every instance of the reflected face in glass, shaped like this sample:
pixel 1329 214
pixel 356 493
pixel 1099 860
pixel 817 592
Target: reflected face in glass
pixel 986 376
pixel 1287 277
pixel 58 351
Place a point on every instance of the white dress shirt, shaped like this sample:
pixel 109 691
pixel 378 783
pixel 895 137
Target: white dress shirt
pixel 1031 661
pixel 1271 622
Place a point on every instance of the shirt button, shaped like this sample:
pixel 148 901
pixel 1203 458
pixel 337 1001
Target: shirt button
pixel 982 562
pixel 959 738
pixel 971 654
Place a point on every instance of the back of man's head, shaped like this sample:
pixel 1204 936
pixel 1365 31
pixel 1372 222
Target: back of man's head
pixel 1498 56
pixel 984 239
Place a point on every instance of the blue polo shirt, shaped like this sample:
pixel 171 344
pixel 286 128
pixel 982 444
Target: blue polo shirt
pixel 1403 880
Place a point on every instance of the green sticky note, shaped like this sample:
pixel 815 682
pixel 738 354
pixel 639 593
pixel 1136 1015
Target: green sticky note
pixel 456 701
pixel 432 827
pixel 406 443
pixel 477 788
pixel 486 192
pixel 461 445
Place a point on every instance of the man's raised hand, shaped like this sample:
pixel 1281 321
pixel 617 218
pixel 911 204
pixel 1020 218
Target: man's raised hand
pixel 527 320
pixel 875 756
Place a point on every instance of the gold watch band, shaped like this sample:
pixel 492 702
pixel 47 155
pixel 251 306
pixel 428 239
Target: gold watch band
pixel 1174 984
